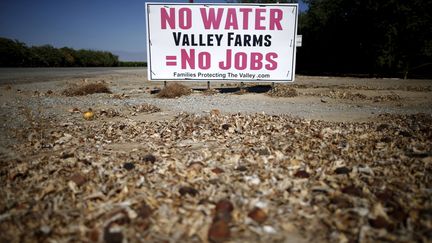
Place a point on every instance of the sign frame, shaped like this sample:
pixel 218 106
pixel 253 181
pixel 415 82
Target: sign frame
pixel 292 45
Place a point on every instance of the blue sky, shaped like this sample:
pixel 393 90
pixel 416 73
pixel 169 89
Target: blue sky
pixel 112 25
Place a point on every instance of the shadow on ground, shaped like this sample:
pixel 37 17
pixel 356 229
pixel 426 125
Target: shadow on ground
pixel 251 89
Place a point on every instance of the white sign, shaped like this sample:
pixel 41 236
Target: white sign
pixel 242 42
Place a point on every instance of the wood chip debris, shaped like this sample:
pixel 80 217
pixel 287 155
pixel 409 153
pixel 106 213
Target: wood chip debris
pixel 215 178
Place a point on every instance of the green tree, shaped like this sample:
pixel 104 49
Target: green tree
pixel 46 56
pixel 69 57
pixel 13 53
pixel 17 54
pixel 389 37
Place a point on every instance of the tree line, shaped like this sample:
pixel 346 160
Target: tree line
pixel 375 38
pixel 17 54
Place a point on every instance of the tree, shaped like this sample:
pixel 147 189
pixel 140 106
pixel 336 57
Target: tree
pixel 12 53
pixel 375 37
pixel 69 57
pixel 17 54
pixel 46 56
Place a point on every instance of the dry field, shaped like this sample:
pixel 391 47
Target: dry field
pixel 320 160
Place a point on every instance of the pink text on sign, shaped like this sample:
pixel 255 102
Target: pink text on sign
pixel 212 18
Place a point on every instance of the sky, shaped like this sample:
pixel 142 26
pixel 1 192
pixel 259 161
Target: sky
pixel 109 25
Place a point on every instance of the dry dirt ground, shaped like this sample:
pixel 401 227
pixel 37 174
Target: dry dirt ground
pixel 345 160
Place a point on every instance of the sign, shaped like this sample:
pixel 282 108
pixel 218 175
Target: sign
pixel 240 42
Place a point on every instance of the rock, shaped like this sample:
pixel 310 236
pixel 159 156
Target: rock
pixel 219 231
pixel 224 206
pixel 258 215
pixel 342 170
pixel 128 166
pixel 149 158
pixel 89 115
pixel 301 174
pixel 223 210
pixel 188 190
pixel 225 126
pixel 241 168
pixel 218 170
pixel 79 179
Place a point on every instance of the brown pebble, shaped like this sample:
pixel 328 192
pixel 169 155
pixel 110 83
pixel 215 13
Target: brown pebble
pixel 301 174
pixel 258 215
pixel 241 168
pixel 149 158
pixel 78 178
pixel 128 166
pixel 219 231
pixel 224 205
pixel 342 170
pixel 188 190
pixel 225 126
pixel 218 170
pixel 223 210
